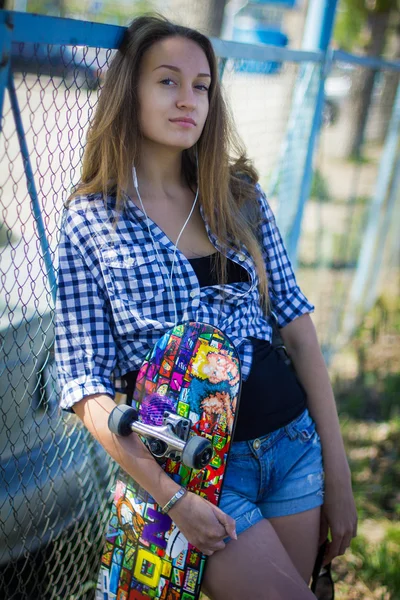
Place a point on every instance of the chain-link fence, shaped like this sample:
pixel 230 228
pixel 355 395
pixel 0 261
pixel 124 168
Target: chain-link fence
pixel 345 187
pixel 54 479
pixel 352 204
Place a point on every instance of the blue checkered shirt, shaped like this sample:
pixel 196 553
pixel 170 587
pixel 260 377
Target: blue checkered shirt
pixel 114 301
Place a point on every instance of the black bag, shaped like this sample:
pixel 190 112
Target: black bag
pixel 322 582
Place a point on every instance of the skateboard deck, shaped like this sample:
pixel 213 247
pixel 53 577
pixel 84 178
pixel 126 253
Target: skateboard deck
pixel 192 372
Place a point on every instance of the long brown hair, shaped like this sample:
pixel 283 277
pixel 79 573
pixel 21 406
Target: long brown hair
pixel 226 176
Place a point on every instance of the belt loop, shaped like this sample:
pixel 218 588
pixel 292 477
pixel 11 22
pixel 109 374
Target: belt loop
pixel 290 431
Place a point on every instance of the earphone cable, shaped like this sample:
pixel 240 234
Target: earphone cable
pixel 136 186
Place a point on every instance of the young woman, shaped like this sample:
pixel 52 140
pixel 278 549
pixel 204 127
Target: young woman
pixel 169 224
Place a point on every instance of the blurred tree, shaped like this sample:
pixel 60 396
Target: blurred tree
pixel 101 11
pixel 364 25
pixel 55 8
pixel 215 17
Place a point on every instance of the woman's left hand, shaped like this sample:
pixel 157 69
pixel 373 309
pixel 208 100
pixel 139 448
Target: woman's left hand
pixel 339 515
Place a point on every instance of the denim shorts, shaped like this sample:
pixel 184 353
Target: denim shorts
pixel 275 475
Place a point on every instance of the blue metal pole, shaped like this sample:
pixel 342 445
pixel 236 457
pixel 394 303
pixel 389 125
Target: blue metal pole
pixel 5 54
pixel 306 113
pixel 305 186
pixel 319 24
pixel 370 237
pixel 317 35
pixel 31 187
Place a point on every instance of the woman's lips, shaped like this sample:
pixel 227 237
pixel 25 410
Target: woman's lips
pixel 184 122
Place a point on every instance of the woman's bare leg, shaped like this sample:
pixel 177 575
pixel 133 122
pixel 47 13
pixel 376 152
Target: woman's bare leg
pixel 299 535
pixel 256 566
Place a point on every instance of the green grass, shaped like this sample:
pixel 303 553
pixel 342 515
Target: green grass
pixel 374 565
pixel 370 569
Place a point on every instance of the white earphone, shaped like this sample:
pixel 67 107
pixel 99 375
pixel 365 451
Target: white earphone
pixel 136 186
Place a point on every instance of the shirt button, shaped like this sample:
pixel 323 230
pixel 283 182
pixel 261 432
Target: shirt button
pixel 256 444
pixel 242 257
pixel 193 294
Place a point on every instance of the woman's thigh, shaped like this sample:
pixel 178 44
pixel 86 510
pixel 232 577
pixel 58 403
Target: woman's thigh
pixel 255 566
pixel 299 535
pixel 275 479
pixel 293 505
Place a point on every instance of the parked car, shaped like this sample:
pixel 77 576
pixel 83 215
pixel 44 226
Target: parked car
pixel 74 64
pixel 54 478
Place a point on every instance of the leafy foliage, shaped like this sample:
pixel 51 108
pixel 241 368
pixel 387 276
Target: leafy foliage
pixel 320 187
pixel 352 20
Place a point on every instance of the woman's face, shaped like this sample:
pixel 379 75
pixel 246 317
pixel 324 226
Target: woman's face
pixel 174 80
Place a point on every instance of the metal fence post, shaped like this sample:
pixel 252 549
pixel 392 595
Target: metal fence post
pixel 394 195
pixel 365 262
pixel 32 187
pixel 5 55
pixel 306 117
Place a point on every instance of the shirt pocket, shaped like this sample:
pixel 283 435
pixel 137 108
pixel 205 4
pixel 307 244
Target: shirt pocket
pixel 132 273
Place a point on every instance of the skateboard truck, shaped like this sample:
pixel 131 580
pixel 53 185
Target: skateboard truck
pixel 169 440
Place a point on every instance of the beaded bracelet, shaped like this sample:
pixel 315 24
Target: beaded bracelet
pixel 179 494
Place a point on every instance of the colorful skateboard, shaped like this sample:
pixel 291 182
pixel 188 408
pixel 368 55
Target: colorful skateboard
pixel 184 405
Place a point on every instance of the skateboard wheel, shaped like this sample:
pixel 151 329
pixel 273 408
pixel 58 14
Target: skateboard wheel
pixel 197 452
pixel 157 447
pixel 121 418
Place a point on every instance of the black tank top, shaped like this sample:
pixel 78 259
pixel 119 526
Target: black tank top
pixel 271 396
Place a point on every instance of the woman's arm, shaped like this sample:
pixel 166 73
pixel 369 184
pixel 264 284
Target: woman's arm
pixel 339 512
pixel 203 524
pixel 129 452
pixel 301 341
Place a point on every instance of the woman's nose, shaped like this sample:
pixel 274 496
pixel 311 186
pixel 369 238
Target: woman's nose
pixel 186 98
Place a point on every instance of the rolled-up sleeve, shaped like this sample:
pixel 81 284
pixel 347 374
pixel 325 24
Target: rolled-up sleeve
pixel 84 346
pixel 287 300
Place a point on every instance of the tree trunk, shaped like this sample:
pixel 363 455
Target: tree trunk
pixel 215 17
pixel 392 79
pixel 363 83
pixel 62 6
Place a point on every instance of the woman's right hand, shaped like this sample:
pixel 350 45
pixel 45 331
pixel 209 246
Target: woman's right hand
pixel 203 524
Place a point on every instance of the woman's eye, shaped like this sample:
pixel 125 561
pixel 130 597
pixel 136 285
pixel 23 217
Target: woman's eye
pixel 167 81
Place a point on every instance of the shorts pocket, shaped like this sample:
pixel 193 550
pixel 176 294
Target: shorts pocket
pixel 302 428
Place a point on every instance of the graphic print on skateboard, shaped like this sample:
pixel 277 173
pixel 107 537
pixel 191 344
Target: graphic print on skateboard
pixel 184 405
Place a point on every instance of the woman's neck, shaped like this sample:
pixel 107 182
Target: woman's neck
pixel 159 171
